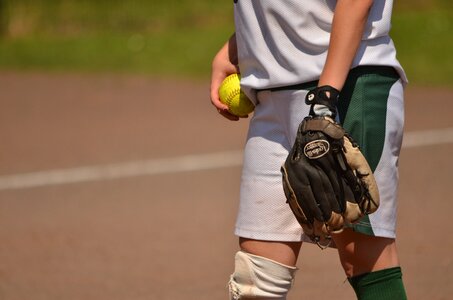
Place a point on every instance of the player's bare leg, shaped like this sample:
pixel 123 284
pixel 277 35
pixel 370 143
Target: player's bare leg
pixel 283 252
pixel 360 253
pixel 371 264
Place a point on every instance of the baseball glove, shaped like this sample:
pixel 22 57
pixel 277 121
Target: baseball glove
pixel 327 181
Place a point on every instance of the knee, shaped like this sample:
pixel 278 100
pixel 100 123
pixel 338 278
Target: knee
pixel 258 277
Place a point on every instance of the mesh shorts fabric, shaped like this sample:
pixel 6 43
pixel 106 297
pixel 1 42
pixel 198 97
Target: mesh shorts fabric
pixel 371 110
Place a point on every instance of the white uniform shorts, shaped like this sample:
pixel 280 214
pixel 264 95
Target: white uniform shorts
pixel 371 109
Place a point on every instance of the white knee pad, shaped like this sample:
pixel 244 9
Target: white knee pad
pixel 256 277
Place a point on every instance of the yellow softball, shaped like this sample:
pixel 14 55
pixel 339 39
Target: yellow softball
pixel 230 93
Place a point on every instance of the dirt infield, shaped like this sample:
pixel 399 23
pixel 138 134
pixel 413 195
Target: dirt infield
pixel 169 235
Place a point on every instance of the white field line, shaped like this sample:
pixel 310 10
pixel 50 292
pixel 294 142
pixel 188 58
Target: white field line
pixel 428 137
pixel 186 163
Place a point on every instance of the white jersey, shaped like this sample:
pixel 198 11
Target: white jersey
pixel 283 43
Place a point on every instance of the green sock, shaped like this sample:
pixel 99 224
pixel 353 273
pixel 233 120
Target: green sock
pixel 384 284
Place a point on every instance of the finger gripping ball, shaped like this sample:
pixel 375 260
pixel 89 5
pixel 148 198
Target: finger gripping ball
pixel 230 93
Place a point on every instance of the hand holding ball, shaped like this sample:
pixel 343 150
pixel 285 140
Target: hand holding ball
pixel 230 94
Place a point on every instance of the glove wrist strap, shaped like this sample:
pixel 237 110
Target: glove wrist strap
pixel 326 96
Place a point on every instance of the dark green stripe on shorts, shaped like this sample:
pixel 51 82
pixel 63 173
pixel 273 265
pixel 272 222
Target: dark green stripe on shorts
pixel 362 110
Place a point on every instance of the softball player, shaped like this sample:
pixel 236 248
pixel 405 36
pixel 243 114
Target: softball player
pixel 283 49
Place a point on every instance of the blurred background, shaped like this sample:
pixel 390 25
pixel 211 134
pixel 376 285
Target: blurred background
pixel 118 180
pixel 178 36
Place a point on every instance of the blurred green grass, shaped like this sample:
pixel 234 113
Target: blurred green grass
pixel 180 37
pixel 175 37
pixel 424 45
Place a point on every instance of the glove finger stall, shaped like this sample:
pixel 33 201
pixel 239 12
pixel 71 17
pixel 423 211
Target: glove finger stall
pixel 369 194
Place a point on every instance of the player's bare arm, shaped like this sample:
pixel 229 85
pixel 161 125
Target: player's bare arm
pixel 224 63
pixel 348 26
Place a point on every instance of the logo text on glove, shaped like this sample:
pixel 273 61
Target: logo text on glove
pixel 316 149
